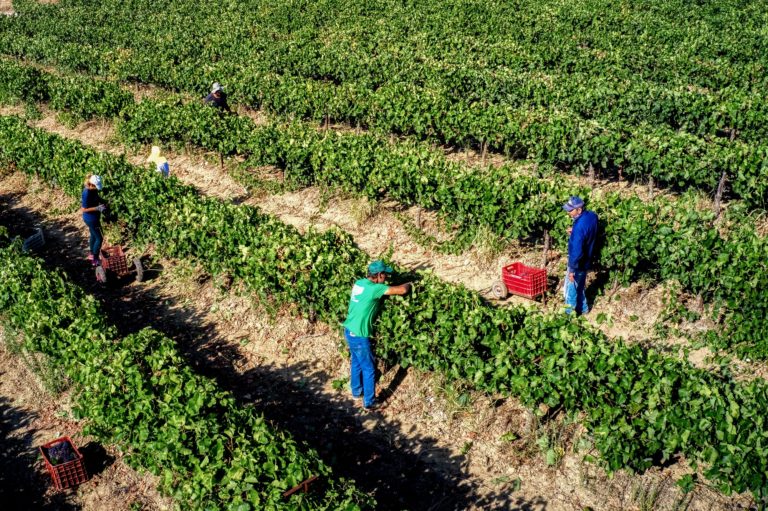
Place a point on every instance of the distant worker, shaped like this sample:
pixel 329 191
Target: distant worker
pixel 581 243
pixel 161 164
pixel 363 305
pixel 91 207
pixel 217 98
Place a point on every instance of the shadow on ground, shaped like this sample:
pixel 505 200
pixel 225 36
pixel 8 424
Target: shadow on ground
pixel 403 470
pixel 95 458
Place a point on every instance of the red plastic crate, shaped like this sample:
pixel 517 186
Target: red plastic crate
pixel 66 474
pixel 524 280
pixel 113 259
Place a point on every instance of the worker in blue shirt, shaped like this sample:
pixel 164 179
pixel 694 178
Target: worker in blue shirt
pixel 217 98
pixel 91 207
pixel 581 243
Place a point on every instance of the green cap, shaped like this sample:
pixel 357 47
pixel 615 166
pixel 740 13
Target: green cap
pixel 378 267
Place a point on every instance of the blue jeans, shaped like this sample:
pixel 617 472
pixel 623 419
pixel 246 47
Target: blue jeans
pixel 94 226
pixel 164 169
pixel 575 293
pixel 362 370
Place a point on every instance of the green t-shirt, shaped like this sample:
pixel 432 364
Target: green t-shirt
pixel 362 306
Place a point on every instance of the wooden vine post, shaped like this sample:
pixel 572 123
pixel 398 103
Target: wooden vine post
pixel 719 195
pixel 302 486
pixel 591 173
pixel 544 261
pixel 418 213
pixel 717 207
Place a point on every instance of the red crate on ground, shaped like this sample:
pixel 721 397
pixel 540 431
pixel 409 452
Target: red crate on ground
pixel 521 280
pixel 69 473
pixel 113 259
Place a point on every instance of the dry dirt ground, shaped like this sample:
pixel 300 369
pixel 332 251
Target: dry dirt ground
pixel 436 445
pixel 29 417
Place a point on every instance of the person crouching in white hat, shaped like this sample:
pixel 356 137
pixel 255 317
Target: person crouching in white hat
pixel 217 98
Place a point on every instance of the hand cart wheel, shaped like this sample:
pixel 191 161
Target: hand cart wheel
pixel 101 275
pixel 139 269
pixel 499 290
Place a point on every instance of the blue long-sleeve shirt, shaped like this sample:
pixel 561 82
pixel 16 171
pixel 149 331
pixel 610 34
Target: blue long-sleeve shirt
pixel 220 102
pixel 581 244
pixel 90 199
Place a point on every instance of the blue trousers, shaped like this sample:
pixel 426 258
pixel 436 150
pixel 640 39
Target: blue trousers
pixel 164 169
pixel 362 370
pixel 575 293
pixel 94 226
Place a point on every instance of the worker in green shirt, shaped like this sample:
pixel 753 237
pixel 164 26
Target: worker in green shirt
pixel 363 304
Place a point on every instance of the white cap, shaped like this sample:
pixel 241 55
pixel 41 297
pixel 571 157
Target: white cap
pixel 216 87
pixel 96 181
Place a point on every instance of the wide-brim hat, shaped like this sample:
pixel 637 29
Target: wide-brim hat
pixel 154 156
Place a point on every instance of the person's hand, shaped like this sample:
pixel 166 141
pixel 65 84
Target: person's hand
pixel 571 277
pixel 101 207
pixel 569 230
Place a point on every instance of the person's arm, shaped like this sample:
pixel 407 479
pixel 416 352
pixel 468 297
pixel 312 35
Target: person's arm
pixel 575 251
pixel 83 202
pixel 398 290
pixel 83 209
